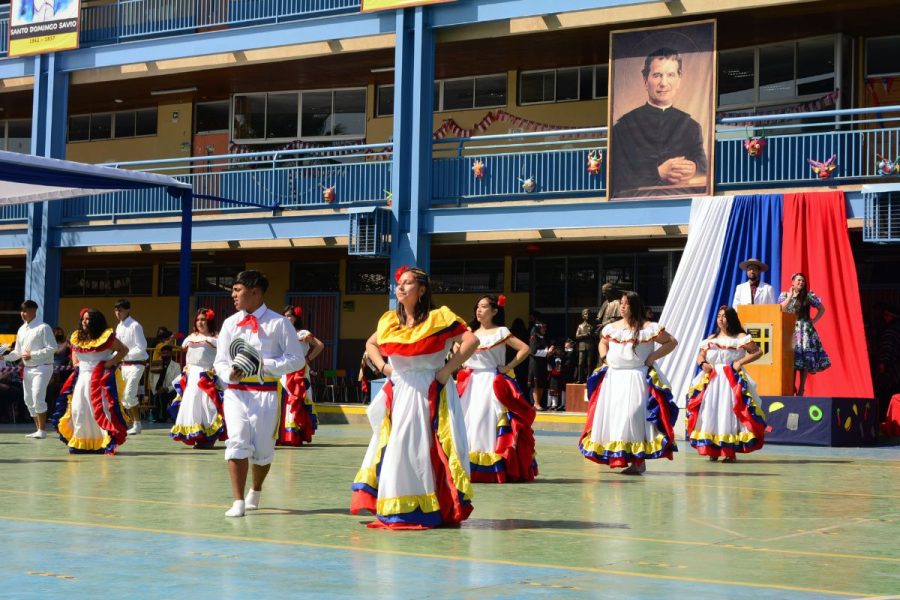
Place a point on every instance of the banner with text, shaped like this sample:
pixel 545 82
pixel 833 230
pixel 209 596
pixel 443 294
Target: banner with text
pixel 42 26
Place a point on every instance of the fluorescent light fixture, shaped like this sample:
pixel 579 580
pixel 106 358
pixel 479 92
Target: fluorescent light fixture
pixel 382 70
pixel 183 90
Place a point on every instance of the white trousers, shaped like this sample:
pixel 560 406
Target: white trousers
pixel 34 384
pixel 132 376
pixel 251 418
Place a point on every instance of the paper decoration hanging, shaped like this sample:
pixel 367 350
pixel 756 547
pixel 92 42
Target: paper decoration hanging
pixel 754 146
pixel 528 185
pixel 594 162
pixel 823 170
pixel 478 169
pixel 329 194
pixel 886 166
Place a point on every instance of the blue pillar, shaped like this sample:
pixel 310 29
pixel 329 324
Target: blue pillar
pixel 413 124
pixel 49 119
pixel 185 323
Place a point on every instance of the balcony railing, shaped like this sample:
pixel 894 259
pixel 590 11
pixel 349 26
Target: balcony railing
pixel 270 181
pixel 558 162
pixel 113 21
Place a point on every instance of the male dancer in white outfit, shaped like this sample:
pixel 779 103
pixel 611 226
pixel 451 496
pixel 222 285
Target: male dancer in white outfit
pixel 35 346
pixel 131 334
pixel 251 403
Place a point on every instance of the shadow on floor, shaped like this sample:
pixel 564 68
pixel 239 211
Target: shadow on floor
pixel 21 461
pixel 564 481
pixel 266 511
pixel 315 445
pixel 510 524
pixel 723 473
pixel 797 461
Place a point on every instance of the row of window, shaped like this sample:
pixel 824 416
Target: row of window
pixel 363 277
pixel 291 115
pixel 106 126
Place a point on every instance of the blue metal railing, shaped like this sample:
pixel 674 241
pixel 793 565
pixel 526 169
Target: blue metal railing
pixel 557 161
pixel 274 180
pixel 113 21
pixel 12 213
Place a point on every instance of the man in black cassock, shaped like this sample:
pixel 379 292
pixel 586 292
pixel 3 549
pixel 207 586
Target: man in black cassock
pixel 656 144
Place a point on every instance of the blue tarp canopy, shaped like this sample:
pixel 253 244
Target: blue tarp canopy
pixel 26 178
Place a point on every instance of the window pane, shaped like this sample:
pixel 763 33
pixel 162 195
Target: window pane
pixel 619 271
pixel 125 124
pixel 367 277
pixel 101 126
pixel 776 72
pixel 522 277
pixel 316 277
pixel 281 116
pixel 19 136
pixel 601 81
pixel 549 282
pixel 458 94
pixel 249 117
pixel 73 282
pixel 217 278
pixel 815 66
pixel 212 116
pixel 653 278
pixel 736 72
pixel 145 122
pixel 881 56
pixel 385 101
pixel 586 83
pixel 168 279
pixel 583 282
pixel 483 275
pixel 437 96
pixel 316 120
pixel 447 276
pixel 490 91
pixel 537 87
pixel 566 84
pixel 79 128
pixel 349 112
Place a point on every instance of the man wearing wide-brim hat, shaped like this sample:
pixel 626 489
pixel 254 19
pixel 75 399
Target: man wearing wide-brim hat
pixel 753 291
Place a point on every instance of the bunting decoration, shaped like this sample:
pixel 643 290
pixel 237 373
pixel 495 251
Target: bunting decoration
pixel 827 101
pixel 451 129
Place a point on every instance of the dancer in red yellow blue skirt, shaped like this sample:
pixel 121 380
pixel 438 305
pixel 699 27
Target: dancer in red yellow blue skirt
pixel 415 474
pixel 198 407
pixel 724 414
pixel 93 421
pixel 498 417
pixel 299 420
pixel 631 414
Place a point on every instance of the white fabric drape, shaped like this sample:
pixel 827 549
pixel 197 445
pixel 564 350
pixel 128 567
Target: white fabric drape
pixel 687 305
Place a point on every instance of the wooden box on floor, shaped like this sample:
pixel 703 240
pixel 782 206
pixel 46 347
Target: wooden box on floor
pixel 576 397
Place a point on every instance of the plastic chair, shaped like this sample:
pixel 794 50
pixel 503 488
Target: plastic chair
pixel 335 385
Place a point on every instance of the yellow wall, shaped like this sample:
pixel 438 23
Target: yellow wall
pixel 588 113
pixel 172 140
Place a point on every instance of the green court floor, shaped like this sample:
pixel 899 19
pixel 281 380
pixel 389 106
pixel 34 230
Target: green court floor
pixel 786 522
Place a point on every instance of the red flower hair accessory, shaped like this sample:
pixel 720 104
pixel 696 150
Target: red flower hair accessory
pixel 83 312
pixel 399 272
pixel 501 300
pixel 210 314
pixel 298 311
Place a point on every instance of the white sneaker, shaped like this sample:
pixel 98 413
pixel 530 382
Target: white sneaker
pixel 37 435
pixel 135 429
pixel 236 510
pixel 251 502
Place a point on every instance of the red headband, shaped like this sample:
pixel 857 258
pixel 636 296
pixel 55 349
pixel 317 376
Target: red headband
pixel 83 312
pixel 501 301
pixel 298 311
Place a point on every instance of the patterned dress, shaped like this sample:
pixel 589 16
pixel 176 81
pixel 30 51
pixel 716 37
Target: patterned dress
pixel 299 420
pixel 198 406
pixel 415 474
pixel 92 422
pixel 631 414
pixel 809 354
pixel 498 417
pixel 724 414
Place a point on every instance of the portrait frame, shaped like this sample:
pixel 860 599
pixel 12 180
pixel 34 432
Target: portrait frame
pixel 43 27
pixel 635 157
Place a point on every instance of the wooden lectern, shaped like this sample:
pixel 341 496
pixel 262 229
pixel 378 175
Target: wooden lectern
pixel 773 330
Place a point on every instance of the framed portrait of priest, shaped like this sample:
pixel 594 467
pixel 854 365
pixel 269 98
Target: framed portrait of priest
pixel 662 111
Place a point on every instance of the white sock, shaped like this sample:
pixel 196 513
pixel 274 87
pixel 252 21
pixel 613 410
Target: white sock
pixel 252 500
pixel 236 510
